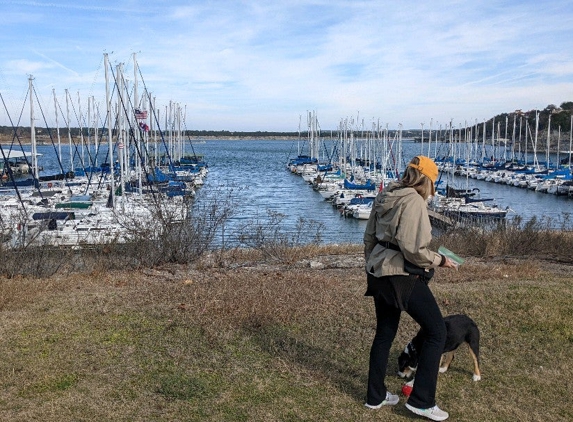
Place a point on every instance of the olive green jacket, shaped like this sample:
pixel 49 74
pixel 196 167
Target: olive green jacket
pixel 399 216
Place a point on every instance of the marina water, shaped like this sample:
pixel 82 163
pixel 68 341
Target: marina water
pixel 256 174
pixel 259 168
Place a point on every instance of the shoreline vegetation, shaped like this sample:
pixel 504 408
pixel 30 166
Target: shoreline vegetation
pixel 557 120
pixel 277 332
pixel 558 142
pixel 6 140
pixel 45 139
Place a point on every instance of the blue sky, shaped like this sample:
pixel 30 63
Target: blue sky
pixel 260 65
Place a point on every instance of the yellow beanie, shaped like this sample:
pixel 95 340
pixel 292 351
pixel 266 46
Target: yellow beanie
pixel 427 167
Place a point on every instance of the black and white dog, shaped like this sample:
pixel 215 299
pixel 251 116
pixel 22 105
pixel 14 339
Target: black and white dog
pixel 460 329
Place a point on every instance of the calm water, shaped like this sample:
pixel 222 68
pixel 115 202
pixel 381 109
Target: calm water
pixel 259 167
pixel 255 173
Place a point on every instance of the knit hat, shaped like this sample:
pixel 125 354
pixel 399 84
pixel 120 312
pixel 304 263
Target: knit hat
pixel 427 167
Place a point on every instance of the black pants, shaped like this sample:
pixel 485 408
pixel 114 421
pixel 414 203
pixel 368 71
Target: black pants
pixel 422 307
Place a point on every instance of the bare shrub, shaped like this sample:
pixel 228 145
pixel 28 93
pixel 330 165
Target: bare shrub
pixel 175 231
pixel 464 240
pixel 536 237
pixel 274 239
pixel 29 252
pixel 34 261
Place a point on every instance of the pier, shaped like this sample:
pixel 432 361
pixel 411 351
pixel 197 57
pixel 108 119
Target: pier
pixel 441 220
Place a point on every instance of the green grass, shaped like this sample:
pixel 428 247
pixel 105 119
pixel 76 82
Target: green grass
pixel 270 343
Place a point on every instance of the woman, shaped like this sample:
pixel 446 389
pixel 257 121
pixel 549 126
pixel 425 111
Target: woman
pixel 398 233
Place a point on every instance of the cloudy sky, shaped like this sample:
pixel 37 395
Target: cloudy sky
pixel 261 65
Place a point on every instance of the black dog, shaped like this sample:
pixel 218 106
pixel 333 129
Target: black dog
pixel 460 329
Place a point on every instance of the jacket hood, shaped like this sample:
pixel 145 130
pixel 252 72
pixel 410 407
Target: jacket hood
pixel 393 193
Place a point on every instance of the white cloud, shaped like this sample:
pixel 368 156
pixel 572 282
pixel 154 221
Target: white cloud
pixel 252 65
pixel 26 67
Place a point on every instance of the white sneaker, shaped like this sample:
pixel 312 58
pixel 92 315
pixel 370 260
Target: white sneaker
pixel 390 400
pixel 433 413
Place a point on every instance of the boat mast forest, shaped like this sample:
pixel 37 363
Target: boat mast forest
pixel 124 166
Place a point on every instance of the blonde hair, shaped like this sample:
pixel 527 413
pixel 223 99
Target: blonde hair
pixel 413 178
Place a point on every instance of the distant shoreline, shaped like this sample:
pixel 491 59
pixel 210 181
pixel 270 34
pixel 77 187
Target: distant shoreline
pixel 43 141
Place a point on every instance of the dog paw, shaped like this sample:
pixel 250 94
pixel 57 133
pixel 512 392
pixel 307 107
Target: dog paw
pixel 401 374
pixel 476 377
pixel 443 369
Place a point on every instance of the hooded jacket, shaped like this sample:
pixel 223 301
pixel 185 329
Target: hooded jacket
pixel 400 216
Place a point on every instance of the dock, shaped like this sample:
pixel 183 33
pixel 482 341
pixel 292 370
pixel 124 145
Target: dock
pixel 441 220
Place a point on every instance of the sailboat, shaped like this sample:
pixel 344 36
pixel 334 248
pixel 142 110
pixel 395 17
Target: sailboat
pixel 98 205
pixel 463 203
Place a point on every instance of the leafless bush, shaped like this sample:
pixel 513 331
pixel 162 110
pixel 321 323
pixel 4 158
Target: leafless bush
pixel 35 261
pixel 273 238
pixel 543 237
pixel 177 231
pixel 458 239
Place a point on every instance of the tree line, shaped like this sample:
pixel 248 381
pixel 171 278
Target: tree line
pixel 560 118
pixel 24 131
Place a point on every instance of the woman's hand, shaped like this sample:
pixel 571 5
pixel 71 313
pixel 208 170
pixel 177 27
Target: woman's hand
pixel 450 263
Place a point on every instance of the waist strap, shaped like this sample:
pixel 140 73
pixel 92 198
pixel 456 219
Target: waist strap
pixel 389 245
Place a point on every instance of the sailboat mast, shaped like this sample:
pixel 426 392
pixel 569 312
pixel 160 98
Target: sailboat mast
pixel 570 142
pixel 96 132
pixel 499 141
pixel 548 141
pixel 483 142
pixel 154 130
pixel 558 145
pixel 535 162
pixel 109 130
pixel 476 140
pixel 33 129
pixel 422 140
pixel 88 128
pixel 513 138
pixel 493 139
pixel 430 137
pixel 298 141
pixel 122 140
pixel 400 152
pixel 81 131
pixel 57 125
pixel 525 143
pixel 69 129
pixel 137 130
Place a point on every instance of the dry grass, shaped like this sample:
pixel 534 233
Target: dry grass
pixel 535 238
pixel 235 339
